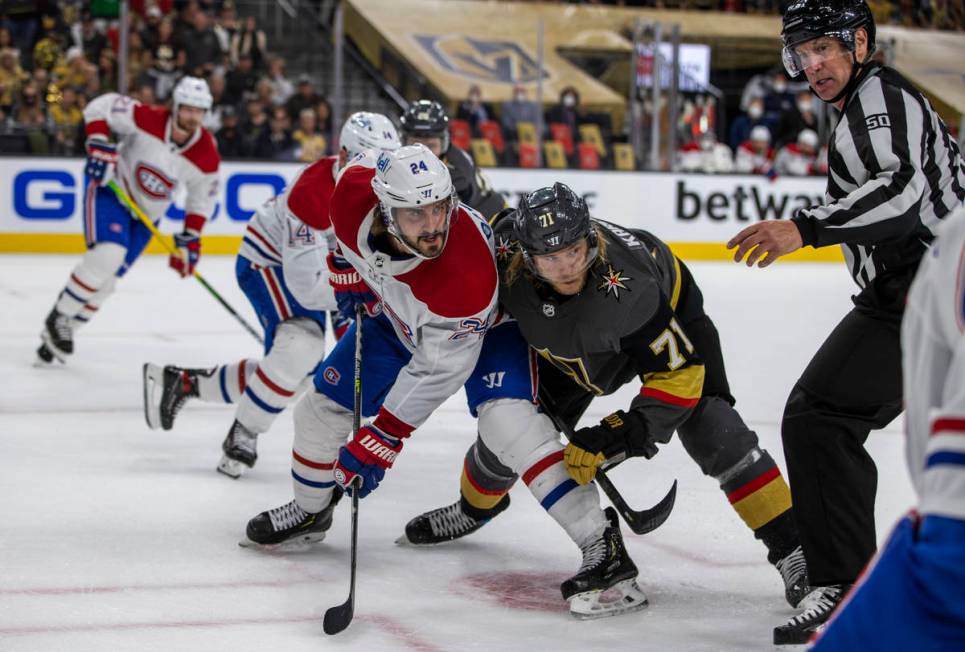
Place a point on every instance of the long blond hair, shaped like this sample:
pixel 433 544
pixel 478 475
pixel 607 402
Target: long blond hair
pixel 517 263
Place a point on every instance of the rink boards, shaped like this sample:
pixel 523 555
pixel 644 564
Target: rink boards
pixel 695 213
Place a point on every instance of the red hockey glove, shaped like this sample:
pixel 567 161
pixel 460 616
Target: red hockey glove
pixel 367 455
pixel 350 289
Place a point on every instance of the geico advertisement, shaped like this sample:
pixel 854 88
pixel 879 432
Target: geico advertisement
pixel 43 195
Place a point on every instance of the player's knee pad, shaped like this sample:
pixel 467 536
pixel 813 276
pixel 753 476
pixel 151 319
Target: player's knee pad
pixel 100 264
pixel 322 426
pixel 514 430
pixel 715 436
pixel 298 346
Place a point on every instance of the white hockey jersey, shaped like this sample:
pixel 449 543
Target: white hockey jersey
pixel 150 165
pixel 293 231
pixel 933 350
pixel 440 308
pixel 794 162
pixel 749 161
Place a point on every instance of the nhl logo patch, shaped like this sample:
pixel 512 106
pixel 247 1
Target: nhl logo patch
pixel 549 310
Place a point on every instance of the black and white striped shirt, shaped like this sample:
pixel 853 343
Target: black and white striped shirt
pixel 893 173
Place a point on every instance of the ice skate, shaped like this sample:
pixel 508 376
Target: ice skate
pixel 606 583
pixel 794 572
pixel 58 338
pixel 165 393
pixel 816 607
pixel 289 526
pixel 240 451
pixel 446 524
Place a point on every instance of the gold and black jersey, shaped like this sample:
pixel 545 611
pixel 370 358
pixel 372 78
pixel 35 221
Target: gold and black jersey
pixel 622 325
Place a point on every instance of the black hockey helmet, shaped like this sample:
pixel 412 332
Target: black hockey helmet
pixel 810 19
pixel 550 219
pixel 425 119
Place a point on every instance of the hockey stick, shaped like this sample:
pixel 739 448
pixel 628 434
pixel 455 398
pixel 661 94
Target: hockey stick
pixel 640 521
pixel 339 617
pixel 134 208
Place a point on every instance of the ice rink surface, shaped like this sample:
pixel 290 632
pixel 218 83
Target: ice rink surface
pixel 116 537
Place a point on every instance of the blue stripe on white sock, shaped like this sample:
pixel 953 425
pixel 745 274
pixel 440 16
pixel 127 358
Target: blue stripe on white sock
pixel 312 483
pixel 945 457
pixel 561 490
pixel 224 386
pixel 260 403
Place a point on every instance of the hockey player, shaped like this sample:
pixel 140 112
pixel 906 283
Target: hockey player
pixel 798 159
pixel 604 306
pixel 755 155
pixel 432 328
pixel 154 150
pixel 894 173
pixel 426 122
pixel 912 596
pixel 278 268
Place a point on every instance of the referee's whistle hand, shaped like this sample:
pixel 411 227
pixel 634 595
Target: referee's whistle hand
pixel 763 243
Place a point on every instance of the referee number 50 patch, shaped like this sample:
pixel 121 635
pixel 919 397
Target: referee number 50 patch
pixel 877 120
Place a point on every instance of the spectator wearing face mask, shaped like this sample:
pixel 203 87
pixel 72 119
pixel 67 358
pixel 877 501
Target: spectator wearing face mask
pixel 706 155
pixel 568 111
pixel 778 98
pixel 740 129
pixel 473 110
pixel 755 155
pixel 798 159
pixel 519 109
pixel 802 116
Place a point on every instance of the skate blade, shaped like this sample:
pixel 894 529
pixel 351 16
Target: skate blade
pixel 295 544
pixel 232 468
pixel 593 604
pixel 60 356
pixel 153 376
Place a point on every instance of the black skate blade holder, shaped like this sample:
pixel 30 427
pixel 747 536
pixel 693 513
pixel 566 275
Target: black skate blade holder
pixel 641 521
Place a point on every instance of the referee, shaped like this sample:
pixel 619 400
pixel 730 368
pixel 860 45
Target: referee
pixel 893 173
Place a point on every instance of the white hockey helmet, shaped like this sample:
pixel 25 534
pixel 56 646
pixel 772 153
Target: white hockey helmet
pixel 760 133
pixel 412 177
pixel 192 91
pixel 364 130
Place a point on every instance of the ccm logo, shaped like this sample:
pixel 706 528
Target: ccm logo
pixel 153 182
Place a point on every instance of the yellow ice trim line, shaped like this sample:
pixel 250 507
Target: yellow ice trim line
pixel 73 243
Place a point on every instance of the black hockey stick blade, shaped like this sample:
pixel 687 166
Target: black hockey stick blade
pixel 339 617
pixel 644 520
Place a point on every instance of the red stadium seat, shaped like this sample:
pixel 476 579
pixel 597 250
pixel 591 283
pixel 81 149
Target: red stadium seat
pixel 562 134
pixel 460 133
pixel 492 132
pixel 528 155
pixel 589 156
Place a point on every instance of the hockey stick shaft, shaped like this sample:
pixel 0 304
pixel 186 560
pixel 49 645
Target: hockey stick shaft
pixel 339 617
pixel 639 521
pixel 134 208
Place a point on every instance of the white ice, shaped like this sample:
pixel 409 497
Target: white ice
pixel 115 537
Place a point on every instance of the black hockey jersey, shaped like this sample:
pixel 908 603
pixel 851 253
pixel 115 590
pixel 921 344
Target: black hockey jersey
pixel 473 188
pixel 620 326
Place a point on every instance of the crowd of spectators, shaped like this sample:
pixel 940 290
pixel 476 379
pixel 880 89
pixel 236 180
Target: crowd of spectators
pixel 55 55
pixel 55 58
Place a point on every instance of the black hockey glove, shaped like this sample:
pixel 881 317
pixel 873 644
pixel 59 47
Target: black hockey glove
pixel 622 434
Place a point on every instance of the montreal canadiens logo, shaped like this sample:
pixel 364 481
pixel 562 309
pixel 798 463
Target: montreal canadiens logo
pixel 153 182
pixel 331 376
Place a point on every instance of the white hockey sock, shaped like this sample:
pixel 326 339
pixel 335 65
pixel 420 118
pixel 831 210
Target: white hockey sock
pixel 295 351
pixel 227 383
pixel 575 507
pixel 93 304
pixel 321 428
pixel 96 269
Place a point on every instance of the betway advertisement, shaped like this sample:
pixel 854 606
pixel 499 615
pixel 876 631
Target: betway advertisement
pixel 43 195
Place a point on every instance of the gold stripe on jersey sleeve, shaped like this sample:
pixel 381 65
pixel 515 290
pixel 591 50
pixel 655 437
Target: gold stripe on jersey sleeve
pixel 675 295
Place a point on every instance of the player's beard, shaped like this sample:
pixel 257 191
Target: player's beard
pixel 429 244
